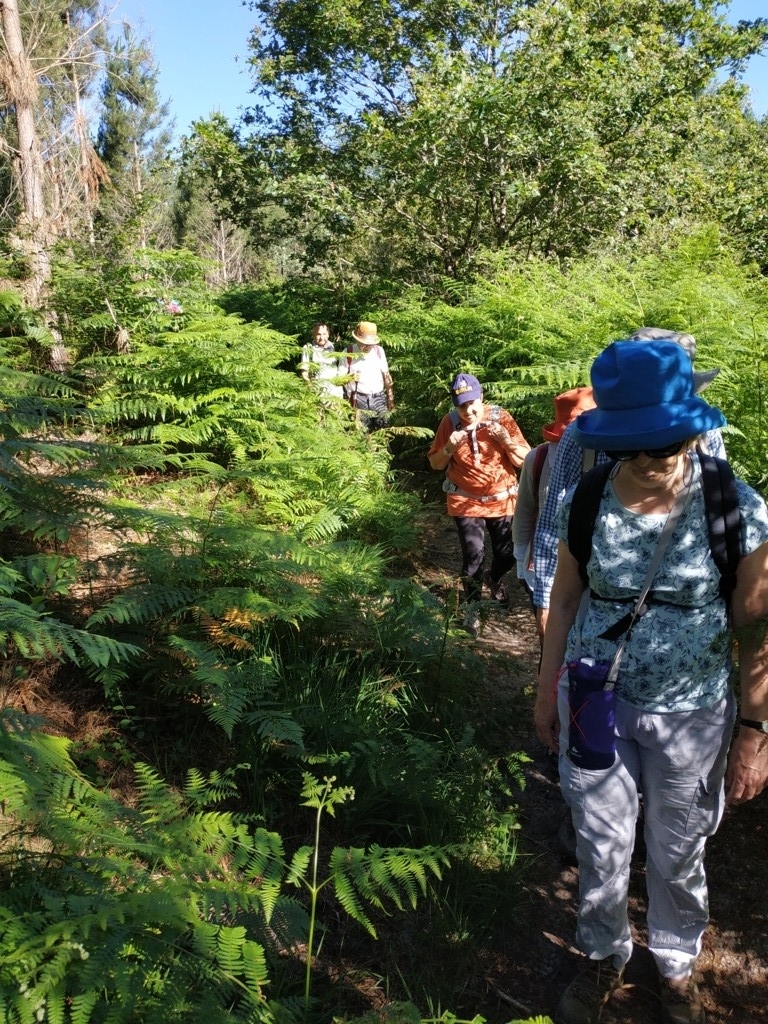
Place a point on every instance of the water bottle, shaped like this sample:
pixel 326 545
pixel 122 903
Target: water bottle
pixel 592 714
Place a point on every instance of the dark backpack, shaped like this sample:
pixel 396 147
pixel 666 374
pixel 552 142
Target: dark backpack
pixel 721 501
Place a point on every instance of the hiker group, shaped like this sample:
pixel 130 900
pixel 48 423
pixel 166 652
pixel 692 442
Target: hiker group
pixel 359 374
pixel 643 557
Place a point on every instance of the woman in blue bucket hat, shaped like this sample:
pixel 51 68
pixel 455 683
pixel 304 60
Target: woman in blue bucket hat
pixel 635 686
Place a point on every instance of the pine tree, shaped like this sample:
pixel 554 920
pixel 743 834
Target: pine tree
pixel 133 140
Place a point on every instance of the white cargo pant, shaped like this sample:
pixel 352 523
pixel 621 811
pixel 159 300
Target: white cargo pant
pixel 677 761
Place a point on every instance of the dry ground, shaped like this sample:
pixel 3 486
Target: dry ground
pixel 534 960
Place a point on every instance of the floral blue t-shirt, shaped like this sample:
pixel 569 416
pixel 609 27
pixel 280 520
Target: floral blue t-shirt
pixel 679 655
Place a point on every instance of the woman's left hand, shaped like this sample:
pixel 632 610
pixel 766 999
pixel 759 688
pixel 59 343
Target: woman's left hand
pixel 747 773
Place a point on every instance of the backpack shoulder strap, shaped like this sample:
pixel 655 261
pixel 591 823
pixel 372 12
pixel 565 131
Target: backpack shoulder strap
pixel 583 515
pixel 721 499
pixel 538 465
pixel 455 422
pixel 540 457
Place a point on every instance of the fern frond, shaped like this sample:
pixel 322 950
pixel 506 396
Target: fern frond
pixel 141 603
pixel 298 866
pixel 37 635
pixel 254 966
pixel 351 885
pixel 399 875
pixel 82 1007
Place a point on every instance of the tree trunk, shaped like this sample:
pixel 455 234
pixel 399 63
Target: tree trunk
pixel 20 86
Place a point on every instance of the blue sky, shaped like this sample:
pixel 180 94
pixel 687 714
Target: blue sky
pixel 201 48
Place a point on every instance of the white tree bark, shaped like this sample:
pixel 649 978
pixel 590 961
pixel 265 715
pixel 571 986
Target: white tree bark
pixel 20 86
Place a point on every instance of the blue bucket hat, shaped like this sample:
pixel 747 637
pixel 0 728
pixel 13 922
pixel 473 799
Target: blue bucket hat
pixel 465 388
pixel 645 397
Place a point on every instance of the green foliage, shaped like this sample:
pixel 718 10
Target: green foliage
pixel 118 913
pixel 293 305
pixel 99 293
pixel 445 129
pixel 34 635
pixel 346 669
pixel 733 193
pixel 214 386
pixel 406 1013
pixel 358 877
pixel 530 331
pixel 133 140
pixel 21 332
pixel 248 609
pixel 48 491
pixel 533 1020
pixel 132 114
pixel 241 605
pixel 216 590
pixel 388 716
pixel 167 910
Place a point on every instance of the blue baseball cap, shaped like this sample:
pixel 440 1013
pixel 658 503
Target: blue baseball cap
pixel 465 388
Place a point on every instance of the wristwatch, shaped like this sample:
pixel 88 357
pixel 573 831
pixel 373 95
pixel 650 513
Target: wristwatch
pixel 754 724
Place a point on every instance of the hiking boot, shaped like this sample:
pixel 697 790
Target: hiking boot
pixel 471 619
pixel 497 589
pixel 584 999
pixel 681 1002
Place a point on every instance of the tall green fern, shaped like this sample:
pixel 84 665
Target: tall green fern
pixel 167 910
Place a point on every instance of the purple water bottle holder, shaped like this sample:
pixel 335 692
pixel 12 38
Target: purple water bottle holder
pixel 591 714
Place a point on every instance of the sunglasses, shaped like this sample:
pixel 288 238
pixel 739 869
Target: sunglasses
pixel 652 453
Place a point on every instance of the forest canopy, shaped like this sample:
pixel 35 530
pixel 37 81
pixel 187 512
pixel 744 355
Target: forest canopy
pixel 447 128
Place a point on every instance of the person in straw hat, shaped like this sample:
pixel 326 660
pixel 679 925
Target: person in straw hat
pixel 370 390
pixel 644 643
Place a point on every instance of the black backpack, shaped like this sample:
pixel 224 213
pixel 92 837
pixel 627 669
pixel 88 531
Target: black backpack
pixel 721 501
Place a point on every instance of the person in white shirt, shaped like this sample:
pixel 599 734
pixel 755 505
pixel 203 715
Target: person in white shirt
pixel 370 391
pixel 321 364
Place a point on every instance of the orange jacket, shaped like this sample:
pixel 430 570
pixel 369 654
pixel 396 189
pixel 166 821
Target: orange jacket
pixel 481 467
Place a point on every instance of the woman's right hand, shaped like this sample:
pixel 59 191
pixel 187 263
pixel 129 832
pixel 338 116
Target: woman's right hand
pixel 563 608
pixel 546 721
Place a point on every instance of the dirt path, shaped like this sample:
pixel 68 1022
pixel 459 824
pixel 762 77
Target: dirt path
pixel 526 974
